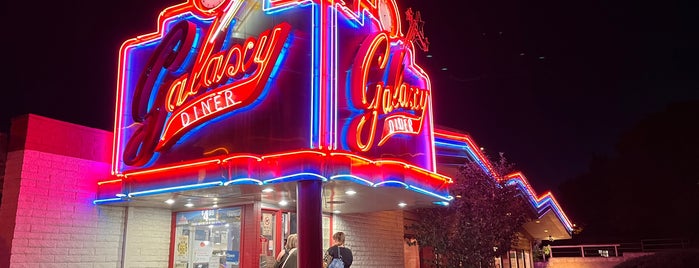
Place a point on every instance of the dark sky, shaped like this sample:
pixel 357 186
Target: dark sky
pixel 550 83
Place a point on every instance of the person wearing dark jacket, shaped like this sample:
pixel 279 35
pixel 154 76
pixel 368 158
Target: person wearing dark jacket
pixel 338 251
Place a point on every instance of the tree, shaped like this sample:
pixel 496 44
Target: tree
pixel 479 224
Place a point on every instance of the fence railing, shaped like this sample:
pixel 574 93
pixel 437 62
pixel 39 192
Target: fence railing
pixel 615 250
pixel 597 250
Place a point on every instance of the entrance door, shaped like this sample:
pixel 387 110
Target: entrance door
pixel 275 227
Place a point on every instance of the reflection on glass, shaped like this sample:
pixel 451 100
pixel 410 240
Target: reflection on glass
pixel 207 238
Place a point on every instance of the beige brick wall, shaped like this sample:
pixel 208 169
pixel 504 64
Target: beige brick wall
pixel 376 239
pixel 148 237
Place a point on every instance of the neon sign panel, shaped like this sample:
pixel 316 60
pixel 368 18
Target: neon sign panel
pixel 228 79
pixel 388 99
pixel 196 70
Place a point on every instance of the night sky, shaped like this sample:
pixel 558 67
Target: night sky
pixel 549 83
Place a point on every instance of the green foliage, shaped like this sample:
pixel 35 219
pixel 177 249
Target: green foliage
pixel 480 223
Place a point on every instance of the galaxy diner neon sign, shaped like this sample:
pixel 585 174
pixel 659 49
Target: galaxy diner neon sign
pixel 402 105
pixel 216 83
pixel 195 71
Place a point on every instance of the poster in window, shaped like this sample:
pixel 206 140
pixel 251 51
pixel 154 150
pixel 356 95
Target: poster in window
pixel 267 224
pixel 202 252
pixel 182 247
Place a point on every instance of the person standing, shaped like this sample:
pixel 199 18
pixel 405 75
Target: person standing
pixel 288 257
pixel 338 252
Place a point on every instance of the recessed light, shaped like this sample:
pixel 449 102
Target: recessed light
pixel 546 231
pixel 215 205
pixel 169 201
pixel 189 205
pixel 351 192
pixel 538 221
pixel 267 190
pixel 337 212
pixel 401 204
pixel 283 203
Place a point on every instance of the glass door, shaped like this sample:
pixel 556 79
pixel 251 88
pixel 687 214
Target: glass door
pixel 207 238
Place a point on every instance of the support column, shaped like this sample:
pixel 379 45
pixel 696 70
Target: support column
pixel 310 223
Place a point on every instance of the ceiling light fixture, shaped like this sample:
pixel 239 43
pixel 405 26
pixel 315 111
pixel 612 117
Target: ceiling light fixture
pixel 267 190
pixel 351 192
pixel 169 201
pixel 283 203
pixel 401 204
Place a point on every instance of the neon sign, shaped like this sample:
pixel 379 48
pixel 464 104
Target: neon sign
pixel 245 68
pixel 396 95
pixel 224 78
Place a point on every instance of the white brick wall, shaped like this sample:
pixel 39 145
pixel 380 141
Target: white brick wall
pixel 57 224
pixel 148 237
pixel 376 239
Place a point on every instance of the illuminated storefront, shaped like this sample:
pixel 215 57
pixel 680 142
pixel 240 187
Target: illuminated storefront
pixel 238 123
pixel 230 98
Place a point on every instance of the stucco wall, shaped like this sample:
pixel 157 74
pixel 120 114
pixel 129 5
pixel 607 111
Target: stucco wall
pixel 588 262
pixel 378 246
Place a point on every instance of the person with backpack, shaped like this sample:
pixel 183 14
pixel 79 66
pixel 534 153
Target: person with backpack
pixel 288 257
pixel 338 256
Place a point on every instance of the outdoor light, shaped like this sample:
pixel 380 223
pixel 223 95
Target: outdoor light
pixel 351 192
pixel 170 201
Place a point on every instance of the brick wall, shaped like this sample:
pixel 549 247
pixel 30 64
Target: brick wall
pixel 48 219
pixel 378 246
pixel 148 234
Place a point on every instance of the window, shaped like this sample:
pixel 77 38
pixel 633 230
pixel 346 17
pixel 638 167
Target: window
pixel 207 238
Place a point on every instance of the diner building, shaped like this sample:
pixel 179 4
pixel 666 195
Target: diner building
pixel 236 124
